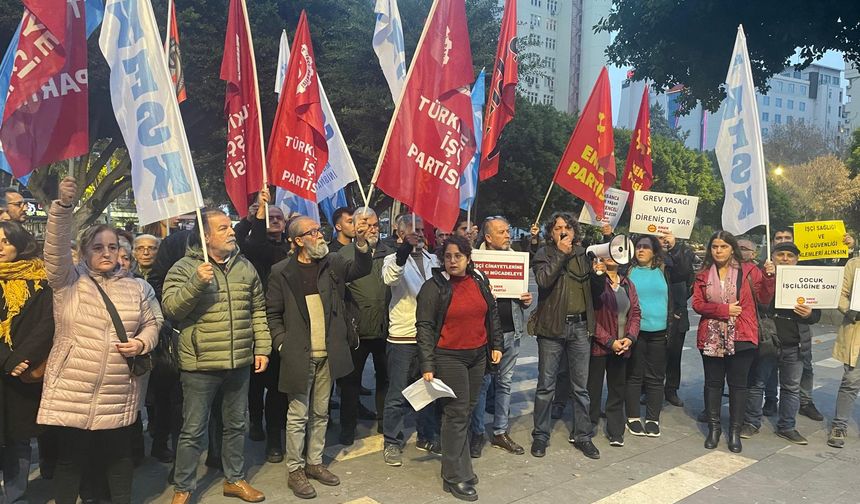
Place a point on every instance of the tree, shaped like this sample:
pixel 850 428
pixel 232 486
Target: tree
pixel 853 160
pixel 660 125
pixel 796 143
pixel 822 190
pixel 690 42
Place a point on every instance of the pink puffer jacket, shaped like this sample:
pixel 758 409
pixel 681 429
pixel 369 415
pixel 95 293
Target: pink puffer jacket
pixel 87 382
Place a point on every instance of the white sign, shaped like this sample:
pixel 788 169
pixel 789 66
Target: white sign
pixel 816 286
pixel 855 292
pixel 507 270
pixel 613 206
pixel 657 213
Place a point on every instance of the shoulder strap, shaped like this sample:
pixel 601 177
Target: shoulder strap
pixel 114 316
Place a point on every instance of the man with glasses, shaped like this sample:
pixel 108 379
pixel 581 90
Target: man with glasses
pixel 15 207
pixel 310 330
pixel 496 233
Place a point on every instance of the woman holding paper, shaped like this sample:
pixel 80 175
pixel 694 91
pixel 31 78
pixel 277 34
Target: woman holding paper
pixel 459 333
pixel 725 294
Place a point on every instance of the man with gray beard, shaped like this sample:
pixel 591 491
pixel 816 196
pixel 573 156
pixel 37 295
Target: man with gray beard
pixel 307 317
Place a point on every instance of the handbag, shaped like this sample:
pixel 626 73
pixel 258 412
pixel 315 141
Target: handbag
pixel 138 365
pixel 165 356
pixel 768 341
pixel 34 374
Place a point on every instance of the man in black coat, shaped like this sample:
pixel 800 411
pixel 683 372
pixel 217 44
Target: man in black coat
pixel 310 329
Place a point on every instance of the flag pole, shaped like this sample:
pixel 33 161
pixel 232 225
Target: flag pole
pixel 259 115
pixel 400 98
pixel 167 35
pixel 540 212
pixel 202 236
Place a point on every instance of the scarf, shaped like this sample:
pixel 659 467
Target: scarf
pixel 720 337
pixel 15 279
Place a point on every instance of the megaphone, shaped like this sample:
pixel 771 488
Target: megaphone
pixel 619 249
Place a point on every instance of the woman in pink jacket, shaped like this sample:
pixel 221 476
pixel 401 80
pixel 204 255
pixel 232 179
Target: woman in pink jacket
pixel 90 394
pixel 725 294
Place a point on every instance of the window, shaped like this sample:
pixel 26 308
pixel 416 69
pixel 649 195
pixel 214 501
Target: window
pixel 535 21
pixel 803 89
pixel 764 132
pixel 552 7
pixel 765 100
pixel 791 88
pixel 547 99
pixel 778 102
pixel 789 119
pixel 551 24
pixel 549 63
pixel 801 106
pixel 536 3
pixel 777 118
pixel 789 104
pixel 765 117
pixel 549 43
pixel 550 82
pixel 780 85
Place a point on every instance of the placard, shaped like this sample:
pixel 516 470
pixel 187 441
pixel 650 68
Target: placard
pixel 613 206
pixel 507 270
pixel 657 213
pixel 818 287
pixel 855 292
pixel 820 240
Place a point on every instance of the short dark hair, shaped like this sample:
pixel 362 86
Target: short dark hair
pixel 728 238
pixel 340 212
pixel 24 243
pixel 568 217
pixel 460 242
pixel 784 229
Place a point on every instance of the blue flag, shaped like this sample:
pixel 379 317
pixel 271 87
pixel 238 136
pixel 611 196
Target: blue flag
pixel 469 179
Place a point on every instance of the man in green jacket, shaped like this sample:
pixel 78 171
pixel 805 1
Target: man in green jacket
pixel 220 309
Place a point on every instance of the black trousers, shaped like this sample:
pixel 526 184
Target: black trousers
pixel 615 368
pixel 648 359
pixel 165 396
pixel 265 401
pixel 734 370
pixel 674 350
pixel 463 371
pixel 78 449
pixel 350 385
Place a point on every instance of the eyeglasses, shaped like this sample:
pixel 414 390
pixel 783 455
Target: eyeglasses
pixel 18 204
pixel 309 232
pixel 149 249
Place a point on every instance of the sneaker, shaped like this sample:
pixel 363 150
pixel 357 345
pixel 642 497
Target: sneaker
pixel 770 408
pixel 837 436
pixel 433 447
pixel 616 441
pixel 393 455
pixel 476 445
pixel 652 428
pixel 748 431
pixel 793 436
pixel 635 427
pixel 505 442
pixel 810 411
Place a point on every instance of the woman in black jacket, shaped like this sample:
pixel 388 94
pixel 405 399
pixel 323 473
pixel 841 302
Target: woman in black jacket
pixel 27 333
pixel 459 332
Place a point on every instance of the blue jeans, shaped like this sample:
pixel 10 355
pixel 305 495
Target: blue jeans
pixel 199 389
pixel 789 364
pixel 403 370
pixel 577 346
pixel 16 471
pixel 845 397
pixel 503 379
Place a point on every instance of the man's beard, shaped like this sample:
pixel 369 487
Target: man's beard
pixel 318 250
pixel 373 241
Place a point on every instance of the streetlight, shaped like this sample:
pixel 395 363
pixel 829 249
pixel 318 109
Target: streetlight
pixel 778 171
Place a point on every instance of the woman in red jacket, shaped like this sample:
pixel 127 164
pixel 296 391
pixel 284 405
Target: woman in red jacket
pixel 725 294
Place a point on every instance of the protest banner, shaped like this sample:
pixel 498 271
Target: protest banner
pixel 613 206
pixel 657 213
pixel 816 286
pixel 855 292
pixel 820 240
pixel 508 271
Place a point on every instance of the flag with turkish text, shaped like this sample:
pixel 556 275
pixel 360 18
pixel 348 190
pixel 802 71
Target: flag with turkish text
pixel 588 164
pixel 431 139
pixel 638 174
pixel 503 92
pixel 243 172
pixel 174 55
pixel 46 114
pixel 298 151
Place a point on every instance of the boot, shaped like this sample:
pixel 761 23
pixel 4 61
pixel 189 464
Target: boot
pixel 713 401
pixel 737 408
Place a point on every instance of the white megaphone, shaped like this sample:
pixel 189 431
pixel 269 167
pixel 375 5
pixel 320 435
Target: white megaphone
pixel 619 249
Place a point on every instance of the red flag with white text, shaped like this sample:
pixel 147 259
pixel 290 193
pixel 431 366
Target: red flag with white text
pixel 503 92
pixel 638 174
pixel 174 56
pixel 588 164
pixel 46 118
pixel 298 151
pixel 431 138
pixel 243 172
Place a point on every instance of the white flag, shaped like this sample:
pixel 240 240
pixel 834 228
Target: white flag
pixel 739 150
pixel 144 102
pixel 388 45
pixel 283 60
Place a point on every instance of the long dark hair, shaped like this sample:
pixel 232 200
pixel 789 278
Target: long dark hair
pixel 24 243
pixel 656 246
pixel 728 238
pixel 568 218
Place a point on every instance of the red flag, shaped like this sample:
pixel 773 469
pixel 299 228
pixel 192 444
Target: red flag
pixel 588 163
pixel 638 175
pixel 431 138
pixel 174 56
pixel 298 151
pixel 503 92
pixel 243 174
pixel 47 108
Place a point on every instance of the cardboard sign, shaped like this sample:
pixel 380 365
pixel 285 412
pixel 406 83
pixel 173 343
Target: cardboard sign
pixel 818 287
pixel 657 213
pixel 855 292
pixel 613 206
pixel 820 240
pixel 507 270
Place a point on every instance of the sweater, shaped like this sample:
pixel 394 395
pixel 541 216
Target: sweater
pixel 405 282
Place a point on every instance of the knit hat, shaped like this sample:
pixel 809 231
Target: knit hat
pixel 787 246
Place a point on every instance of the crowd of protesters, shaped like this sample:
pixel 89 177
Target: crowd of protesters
pixel 249 329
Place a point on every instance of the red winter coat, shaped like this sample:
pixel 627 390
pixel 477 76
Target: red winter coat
pixel 746 324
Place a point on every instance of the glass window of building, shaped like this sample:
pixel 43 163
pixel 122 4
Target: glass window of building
pixel 778 102
pixel 789 104
pixel 777 118
pixel 765 117
pixel 536 3
pixel 789 119
pixel 791 88
pixel 801 106
pixel 765 100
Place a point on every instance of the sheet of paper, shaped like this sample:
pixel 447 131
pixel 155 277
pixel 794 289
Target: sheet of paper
pixel 421 393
